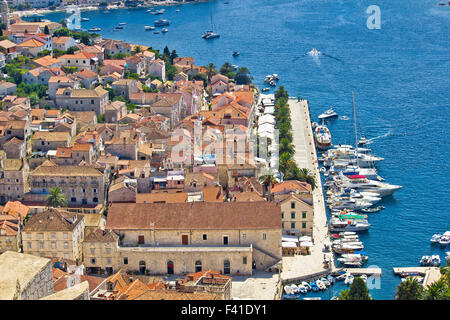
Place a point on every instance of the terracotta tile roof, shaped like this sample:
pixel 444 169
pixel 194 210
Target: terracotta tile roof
pixel 7 44
pixel 72 171
pixel 57 274
pixel 16 208
pixel 292 185
pixel 196 215
pixel 51 136
pixel 37 112
pixel 175 295
pixel 93 282
pixel 101 236
pixel 52 220
pixel 85 73
pixel 212 194
pixel 120 280
pixel 31 43
pixel 46 61
pixel 62 152
pixel 161 197
pixel 11 228
pixel 132 290
pixel 247 196
pixel 12 164
pixel 82 147
pixel 78 55
pixel 60 40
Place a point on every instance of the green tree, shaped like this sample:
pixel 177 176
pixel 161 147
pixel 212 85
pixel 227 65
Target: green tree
pixel 226 68
pixel 243 76
pixel 56 198
pixel 343 294
pixel 173 55
pixel 268 180
pixel 306 176
pixel 46 30
pixel 211 70
pixel 358 290
pixel 410 289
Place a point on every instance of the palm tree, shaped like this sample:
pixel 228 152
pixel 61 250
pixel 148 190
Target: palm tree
pixel 436 291
pixel 211 70
pixel 307 176
pixel 286 146
pixel 343 295
pixel 410 289
pixel 56 198
pixel 285 162
pixel 268 180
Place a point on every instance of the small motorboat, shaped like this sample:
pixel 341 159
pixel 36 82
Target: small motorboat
pixel 275 77
pixel 331 279
pixel 323 169
pixel 325 281
pixel 435 260
pixel 84 19
pixel 178 10
pixel 363 141
pixel 349 279
pixel 288 289
pixel 306 285
pixel 268 78
pixel 344 118
pixel 147 28
pixel 265 89
pixel 164 30
pixel 156 32
pixel 122 23
pixel 94 29
pixel 314 52
pixel 425 260
pixel 321 285
pixel 341 277
pixel 235 53
pixel 436 237
pixel 330 113
pixel 302 289
pixel 372 210
pixel 445 239
pixel 272 83
pixel 294 288
pixel 117 28
pixel 314 286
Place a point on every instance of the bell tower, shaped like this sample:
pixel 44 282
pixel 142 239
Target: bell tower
pixel 5 14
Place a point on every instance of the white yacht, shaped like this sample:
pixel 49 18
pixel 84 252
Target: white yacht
pixel 435 238
pixel 338 225
pixel 330 113
pixel 322 136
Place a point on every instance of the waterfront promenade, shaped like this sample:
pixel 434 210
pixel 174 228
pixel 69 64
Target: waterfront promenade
pixel 301 266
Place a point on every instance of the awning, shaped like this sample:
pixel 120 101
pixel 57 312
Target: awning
pixel 357 176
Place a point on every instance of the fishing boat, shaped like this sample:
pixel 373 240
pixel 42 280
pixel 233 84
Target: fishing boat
pixel 164 30
pixel 147 28
pixel 322 136
pixel 435 238
pixel 330 113
pixel 235 53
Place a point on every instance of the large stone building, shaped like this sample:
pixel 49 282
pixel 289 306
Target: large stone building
pixel 83 99
pixel 176 238
pixel 82 185
pixel 24 276
pixel 297 214
pixel 54 234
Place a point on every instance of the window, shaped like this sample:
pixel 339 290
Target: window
pixel 264 236
pixel 170 267
pixel 108 260
pixel 29 245
pixel 65 235
pixel 304 214
pixel 95 190
pixel 28 235
pixel 73 199
pixel 53 236
pixel 198 266
pixel 125 260
pixel 282 215
pixel 95 200
pixel 92 251
pixel 304 225
pixel 41 236
pixel 41 245
pixel 292 225
pixel 292 205
pixel 53 245
pixel 225 240
pixel 292 215
pixel 93 261
pixel 66 245
pixel 244 260
pixel 205 237
pixel 66 256
pixel 244 236
pixel 226 267
pixel 108 250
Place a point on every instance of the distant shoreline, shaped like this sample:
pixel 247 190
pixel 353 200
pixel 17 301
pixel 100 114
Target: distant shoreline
pixel 109 7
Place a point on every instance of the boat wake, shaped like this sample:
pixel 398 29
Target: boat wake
pixel 372 140
pixel 316 54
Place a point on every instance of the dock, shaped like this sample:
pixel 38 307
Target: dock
pixel 366 271
pixel 431 274
pixel 308 266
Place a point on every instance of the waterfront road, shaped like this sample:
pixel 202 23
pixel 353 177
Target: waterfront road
pixel 305 155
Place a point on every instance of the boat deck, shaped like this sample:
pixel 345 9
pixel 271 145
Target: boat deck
pixel 419 270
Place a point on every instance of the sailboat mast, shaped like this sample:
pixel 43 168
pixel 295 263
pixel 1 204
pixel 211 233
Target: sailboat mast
pixel 356 131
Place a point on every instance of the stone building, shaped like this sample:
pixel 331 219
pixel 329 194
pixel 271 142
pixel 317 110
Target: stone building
pixel 94 100
pixel 297 214
pixel 14 179
pixel 82 185
pixel 176 238
pixel 24 276
pixel 54 234
pixel 100 251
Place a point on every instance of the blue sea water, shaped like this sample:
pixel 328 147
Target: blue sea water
pixel 399 73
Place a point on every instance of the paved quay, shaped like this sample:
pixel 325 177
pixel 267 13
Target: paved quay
pixel 301 266
pixel 260 286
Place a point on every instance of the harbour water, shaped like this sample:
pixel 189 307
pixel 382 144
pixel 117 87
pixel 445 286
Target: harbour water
pixel 399 74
